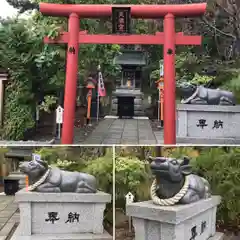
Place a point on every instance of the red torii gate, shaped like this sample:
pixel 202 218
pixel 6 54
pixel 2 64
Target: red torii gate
pixel 169 38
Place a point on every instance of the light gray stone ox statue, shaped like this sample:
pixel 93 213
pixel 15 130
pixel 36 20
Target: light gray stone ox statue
pixel 175 183
pixel 43 178
pixel 193 94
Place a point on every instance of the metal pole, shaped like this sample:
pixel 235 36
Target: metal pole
pixel 159 97
pixel 98 97
pixel 130 224
pixel 59 131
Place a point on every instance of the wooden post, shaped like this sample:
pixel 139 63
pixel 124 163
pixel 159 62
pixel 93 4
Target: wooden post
pixel 89 102
pixel 27 183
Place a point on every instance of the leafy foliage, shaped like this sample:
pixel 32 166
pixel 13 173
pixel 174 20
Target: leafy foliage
pixel 37 71
pixel 131 175
pixel 32 69
pixel 102 169
pixel 222 169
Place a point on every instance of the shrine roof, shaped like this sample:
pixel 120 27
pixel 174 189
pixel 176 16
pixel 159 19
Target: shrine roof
pixel 137 58
pixel 19 152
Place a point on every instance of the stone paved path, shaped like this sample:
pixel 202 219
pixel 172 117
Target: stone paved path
pixel 8 215
pixel 123 131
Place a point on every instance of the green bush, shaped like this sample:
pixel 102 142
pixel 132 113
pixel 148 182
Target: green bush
pixel 131 175
pixel 222 169
pixel 102 169
pixel 70 158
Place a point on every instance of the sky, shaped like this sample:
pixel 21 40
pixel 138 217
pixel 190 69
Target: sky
pixel 6 10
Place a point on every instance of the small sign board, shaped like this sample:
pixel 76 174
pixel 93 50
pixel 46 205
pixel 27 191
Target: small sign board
pixel 121 20
pixel 36 157
pixel 161 71
pixel 59 115
pixel 129 198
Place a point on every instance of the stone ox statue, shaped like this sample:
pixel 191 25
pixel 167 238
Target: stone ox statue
pixel 175 183
pixel 43 178
pixel 193 94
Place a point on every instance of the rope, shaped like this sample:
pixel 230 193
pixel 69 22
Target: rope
pixel 191 97
pixel 169 201
pixel 39 182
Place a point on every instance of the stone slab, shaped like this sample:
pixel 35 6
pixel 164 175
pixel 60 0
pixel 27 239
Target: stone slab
pixel 179 222
pixel 7 228
pixel 86 236
pixel 5 213
pixel 217 236
pixel 61 213
pixel 111 141
pixel 123 131
pixel 99 197
pixel 170 214
pixel 3 220
pixel 208 141
pixel 208 108
pixel 189 117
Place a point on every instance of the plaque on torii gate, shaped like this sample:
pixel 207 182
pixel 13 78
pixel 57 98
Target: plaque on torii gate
pixel 169 38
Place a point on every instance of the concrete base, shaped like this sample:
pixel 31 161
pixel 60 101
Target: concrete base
pixel 219 124
pixel 180 222
pixel 78 215
pixel 208 141
pixel 86 236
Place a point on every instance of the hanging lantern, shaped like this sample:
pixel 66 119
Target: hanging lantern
pixel 91 83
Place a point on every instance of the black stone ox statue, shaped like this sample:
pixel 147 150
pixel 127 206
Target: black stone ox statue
pixel 170 176
pixel 192 94
pixel 43 178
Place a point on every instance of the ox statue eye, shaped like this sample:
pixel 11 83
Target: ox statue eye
pixel 174 162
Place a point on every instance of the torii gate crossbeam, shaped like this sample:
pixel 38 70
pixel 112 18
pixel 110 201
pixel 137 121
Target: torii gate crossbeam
pixel 169 38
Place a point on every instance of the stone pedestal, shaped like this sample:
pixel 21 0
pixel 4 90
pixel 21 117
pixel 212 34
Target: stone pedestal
pixel 49 216
pixel 138 100
pixel 196 221
pixel 208 124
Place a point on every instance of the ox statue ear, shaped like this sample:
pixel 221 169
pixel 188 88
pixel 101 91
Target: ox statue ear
pixel 186 161
pixel 186 169
pixel 43 163
pixel 150 158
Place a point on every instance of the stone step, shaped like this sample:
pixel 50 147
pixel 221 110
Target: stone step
pixel 217 236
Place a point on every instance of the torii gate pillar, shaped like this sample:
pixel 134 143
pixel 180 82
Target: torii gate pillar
pixel 71 79
pixel 169 103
